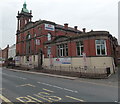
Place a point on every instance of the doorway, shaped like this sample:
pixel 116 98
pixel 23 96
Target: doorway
pixel 40 59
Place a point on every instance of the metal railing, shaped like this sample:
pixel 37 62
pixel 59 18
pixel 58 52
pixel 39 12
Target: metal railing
pixel 77 69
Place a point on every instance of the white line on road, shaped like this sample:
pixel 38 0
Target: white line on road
pixel 14 76
pixel 75 98
pixel 70 90
pixel 58 87
pixel 47 90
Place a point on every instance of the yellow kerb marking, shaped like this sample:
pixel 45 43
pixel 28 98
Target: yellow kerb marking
pixel 47 90
pixel 5 99
pixel 26 85
pixel 75 98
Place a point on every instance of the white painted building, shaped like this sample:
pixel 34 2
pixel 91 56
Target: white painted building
pixel 12 51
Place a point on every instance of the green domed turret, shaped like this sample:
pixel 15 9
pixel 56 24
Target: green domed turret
pixel 24 9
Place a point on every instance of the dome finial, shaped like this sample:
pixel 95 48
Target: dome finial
pixel 24 9
pixel 24 5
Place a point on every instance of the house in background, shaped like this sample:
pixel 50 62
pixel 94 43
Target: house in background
pixel 5 55
pixel 12 51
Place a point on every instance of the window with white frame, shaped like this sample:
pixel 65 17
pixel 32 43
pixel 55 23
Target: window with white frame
pixel 101 47
pixel 48 51
pixel 49 36
pixel 34 35
pixel 25 21
pixel 62 50
pixel 80 48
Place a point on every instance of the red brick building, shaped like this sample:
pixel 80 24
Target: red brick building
pixel 4 55
pixel 45 43
pixel 31 36
pixel 118 54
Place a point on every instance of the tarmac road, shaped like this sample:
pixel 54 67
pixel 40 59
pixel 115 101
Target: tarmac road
pixel 28 87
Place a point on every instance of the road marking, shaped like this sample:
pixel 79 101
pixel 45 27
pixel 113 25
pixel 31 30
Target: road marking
pixel 26 85
pixel 58 87
pixel 42 97
pixel 75 98
pixel 44 83
pixel 24 99
pixel 54 98
pixel 70 90
pixel 14 76
pixel 34 98
pixel 43 93
pixel 5 99
pixel 48 90
pixel 47 95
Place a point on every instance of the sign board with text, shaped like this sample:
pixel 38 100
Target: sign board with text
pixel 17 58
pixel 49 27
pixel 62 60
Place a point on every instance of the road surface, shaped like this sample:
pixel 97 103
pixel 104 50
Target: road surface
pixel 25 87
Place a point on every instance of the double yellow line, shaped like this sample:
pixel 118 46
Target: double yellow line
pixel 5 99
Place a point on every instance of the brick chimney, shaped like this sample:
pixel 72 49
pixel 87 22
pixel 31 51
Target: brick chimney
pixel 84 30
pixel 75 27
pixel 7 46
pixel 66 25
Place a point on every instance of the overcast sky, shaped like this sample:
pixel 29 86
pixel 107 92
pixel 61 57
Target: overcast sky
pixel 89 14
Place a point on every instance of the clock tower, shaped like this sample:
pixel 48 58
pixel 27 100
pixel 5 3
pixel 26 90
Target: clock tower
pixel 24 17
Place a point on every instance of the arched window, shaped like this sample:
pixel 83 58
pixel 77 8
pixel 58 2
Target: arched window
pixel 34 35
pixel 28 37
pixel 28 44
pixel 25 21
pixel 49 36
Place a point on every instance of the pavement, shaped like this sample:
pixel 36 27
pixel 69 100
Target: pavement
pixel 111 80
pixel 51 75
pixel 25 86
